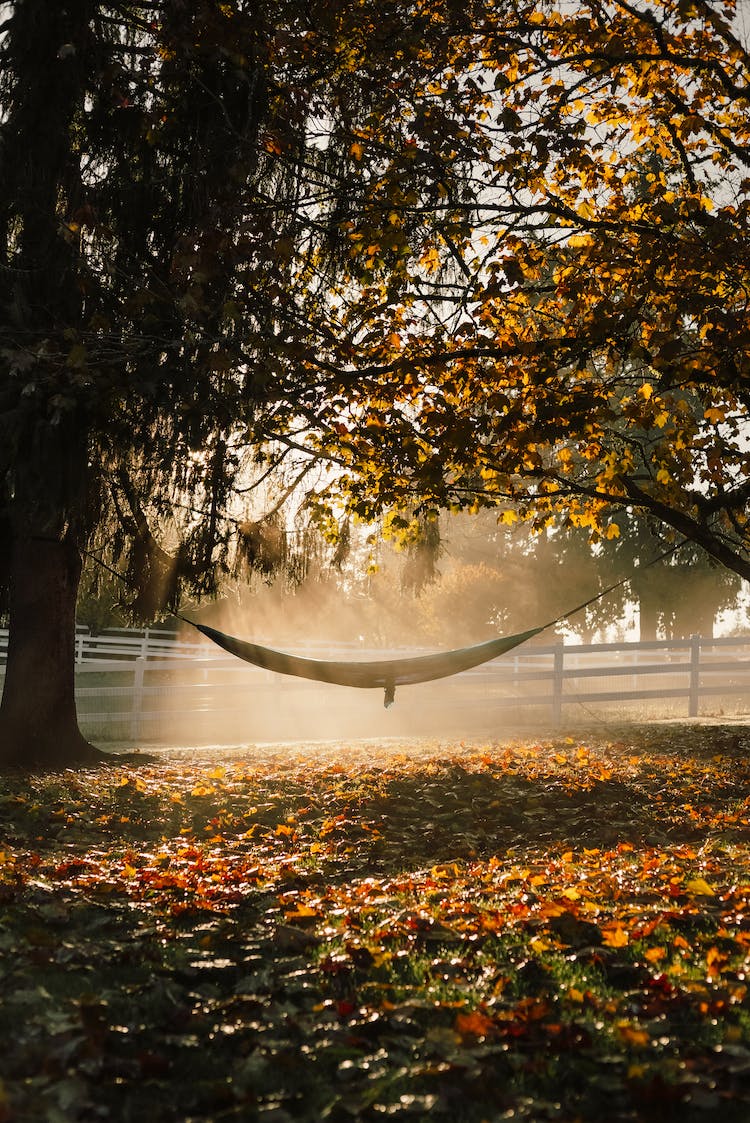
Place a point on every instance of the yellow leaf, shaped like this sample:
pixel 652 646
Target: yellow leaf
pixel 445 870
pixel 430 259
pixel 699 888
pixel 654 955
pixel 714 956
pixel 638 1038
pixel 571 894
pixel 616 937
pixel 357 150
pixel 301 912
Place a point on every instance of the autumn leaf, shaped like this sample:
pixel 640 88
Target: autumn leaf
pixel 474 1024
pixel 634 1037
pixel 380 929
pixel 699 887
pixel 615 936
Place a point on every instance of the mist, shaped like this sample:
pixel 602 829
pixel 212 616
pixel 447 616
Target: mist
pixel 486 581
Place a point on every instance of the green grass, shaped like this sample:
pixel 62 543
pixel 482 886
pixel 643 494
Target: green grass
pixel 463 932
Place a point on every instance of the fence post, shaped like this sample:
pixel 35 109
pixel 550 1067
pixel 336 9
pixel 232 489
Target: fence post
pixel 139 666
pixel 695 676
pixel 557 684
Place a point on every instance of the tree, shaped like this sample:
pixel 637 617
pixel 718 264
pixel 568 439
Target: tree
pixel 180 185
pixel 476 254
pixel 678 596
pixel 580 344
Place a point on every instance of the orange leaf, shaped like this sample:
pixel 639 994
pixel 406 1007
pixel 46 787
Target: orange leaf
pixel 475 1024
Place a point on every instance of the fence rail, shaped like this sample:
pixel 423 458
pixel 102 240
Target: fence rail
pixel 155 685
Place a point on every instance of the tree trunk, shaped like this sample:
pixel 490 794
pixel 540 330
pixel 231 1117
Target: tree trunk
pixel 38 722
pixel 648 618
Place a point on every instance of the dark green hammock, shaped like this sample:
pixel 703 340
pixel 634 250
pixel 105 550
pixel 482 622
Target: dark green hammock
pixel 385 674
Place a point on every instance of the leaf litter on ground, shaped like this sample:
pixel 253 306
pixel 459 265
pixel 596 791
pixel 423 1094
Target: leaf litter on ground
pixel 555 930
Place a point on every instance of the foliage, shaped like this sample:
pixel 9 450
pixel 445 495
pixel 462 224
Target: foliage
pixel 544 931
pixel 486 255
pixel 179 185
pixel 578 338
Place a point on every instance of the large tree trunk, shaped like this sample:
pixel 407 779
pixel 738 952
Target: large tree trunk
pixel 38 723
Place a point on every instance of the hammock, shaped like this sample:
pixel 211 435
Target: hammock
pixel 385 674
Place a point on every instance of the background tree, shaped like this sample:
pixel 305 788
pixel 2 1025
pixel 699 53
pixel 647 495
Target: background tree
pixel 681 595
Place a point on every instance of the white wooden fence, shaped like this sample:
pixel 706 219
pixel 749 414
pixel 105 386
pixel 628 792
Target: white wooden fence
pixel 152 685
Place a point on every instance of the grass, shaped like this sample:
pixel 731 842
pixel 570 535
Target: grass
pixel 532 931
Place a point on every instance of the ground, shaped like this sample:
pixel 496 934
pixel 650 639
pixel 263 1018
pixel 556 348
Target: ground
pixel 525 930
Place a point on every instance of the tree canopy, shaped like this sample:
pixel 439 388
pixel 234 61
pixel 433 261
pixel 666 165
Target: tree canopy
pixel 576 338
